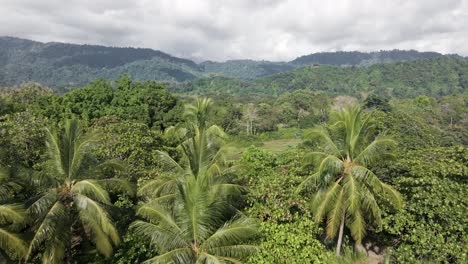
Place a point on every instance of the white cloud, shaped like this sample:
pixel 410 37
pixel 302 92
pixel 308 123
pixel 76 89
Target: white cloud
pixel 256 29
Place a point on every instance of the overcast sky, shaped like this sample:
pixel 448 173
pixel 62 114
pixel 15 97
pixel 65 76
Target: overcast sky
pixel 239 29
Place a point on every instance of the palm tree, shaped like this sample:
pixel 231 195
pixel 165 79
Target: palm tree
pixel 188 211
pixel 75 207
pixel 11 217
pixel 346 189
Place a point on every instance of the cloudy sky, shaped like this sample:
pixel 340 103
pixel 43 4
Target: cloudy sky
pixel 239 29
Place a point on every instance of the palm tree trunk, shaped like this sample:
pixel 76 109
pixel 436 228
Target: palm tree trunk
pixel 340 234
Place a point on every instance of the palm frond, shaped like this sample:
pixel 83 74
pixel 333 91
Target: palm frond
pixel 330 165
pixel 164 239
pixel 375 151
pixel 321 135
pixel 157 214
pixel 323 200
pixel 335 215
pixel 12 213
pixel 92 189
pixel 351 188
pixel 231 233
pixel 50 226
pixel 164 184
pixel 392 195
pixel 168 163
pixel 178 255
pixel 309 182
pixel 54 253
pixel 12 244
pixel 117 185
pixel 42 205
pixel 357 226
pixel 54 150
pixel 91 212
pixel 233 253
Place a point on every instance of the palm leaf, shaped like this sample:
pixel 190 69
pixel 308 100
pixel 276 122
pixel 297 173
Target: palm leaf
pixel 12 244
pixel 92 189
pixel 50 227
pixel 231 233
pixel 92 214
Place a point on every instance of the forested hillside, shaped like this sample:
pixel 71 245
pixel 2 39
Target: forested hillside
pixel 63 66
pixel 435 77
pixel 356 58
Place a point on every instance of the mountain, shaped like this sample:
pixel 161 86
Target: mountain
pixel 356 58
pixel 435 77
pixel 246 69
pixel 61 65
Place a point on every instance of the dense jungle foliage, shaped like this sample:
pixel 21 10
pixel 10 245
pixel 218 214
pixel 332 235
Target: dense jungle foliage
pixel 127 172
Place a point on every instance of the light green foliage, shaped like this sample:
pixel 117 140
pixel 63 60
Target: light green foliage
pixel 291 242
pixel 433 226
pixel 287 233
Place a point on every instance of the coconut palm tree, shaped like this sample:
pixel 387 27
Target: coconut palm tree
pixel 75 207
pixel 194 225
pixel 188 214
pixel 201 148
pixel 346 189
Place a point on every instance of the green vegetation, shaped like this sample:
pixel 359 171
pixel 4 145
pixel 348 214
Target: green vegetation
pixel 64 66
pixel 346 190
pixel 124 171
pixel 435 77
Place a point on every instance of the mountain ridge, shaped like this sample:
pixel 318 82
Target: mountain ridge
pixel 59 64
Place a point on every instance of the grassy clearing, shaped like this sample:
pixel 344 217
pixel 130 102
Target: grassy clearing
pixel 275 142
pixel 280 145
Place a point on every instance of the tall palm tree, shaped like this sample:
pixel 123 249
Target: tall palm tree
pixel 11 216
pixel 188 211
pixel 75 207
pixel 346 189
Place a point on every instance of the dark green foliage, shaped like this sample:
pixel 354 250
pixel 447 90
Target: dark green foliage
pixel 212 85
pixel 374 101
pixel 132 142
pixel 22 139
pixel 360 58
pixel 146 102
pixel 65 65
pixel 246 69
pixel 412 131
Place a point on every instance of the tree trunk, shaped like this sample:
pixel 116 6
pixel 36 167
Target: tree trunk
pixel 340 234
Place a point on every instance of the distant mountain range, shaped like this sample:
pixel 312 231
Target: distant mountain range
pixel 68 65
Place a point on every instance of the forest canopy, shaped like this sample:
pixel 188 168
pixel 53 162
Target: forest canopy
pixel 124 171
